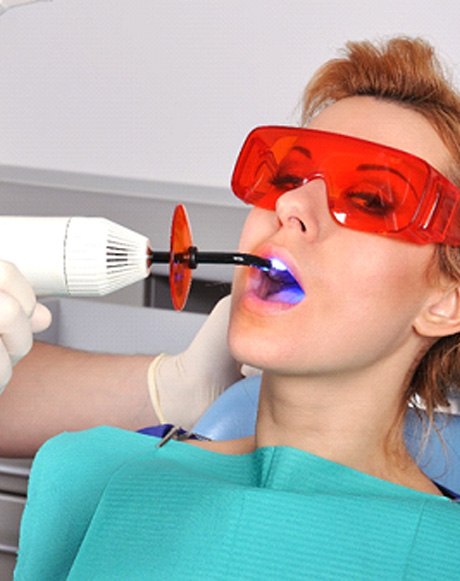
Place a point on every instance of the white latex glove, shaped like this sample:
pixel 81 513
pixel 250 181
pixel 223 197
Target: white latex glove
pixel 183 386
pixel 20 317
pixel 7 4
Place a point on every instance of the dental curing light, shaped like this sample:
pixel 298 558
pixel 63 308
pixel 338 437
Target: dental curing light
pixel 88 257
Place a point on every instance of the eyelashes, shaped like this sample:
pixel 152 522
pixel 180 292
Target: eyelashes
pixel 286 182
pixel 370 203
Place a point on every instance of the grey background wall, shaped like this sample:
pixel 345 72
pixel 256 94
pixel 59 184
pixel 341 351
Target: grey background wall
pixel 122 108
pixel 167 90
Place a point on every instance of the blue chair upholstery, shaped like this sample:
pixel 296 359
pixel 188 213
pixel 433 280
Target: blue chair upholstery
pixel 233 415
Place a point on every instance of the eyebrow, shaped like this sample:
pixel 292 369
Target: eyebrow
pixel 363 166
pixel 302 150
pixel 370 166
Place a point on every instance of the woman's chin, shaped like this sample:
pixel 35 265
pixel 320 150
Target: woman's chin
pixel 257 346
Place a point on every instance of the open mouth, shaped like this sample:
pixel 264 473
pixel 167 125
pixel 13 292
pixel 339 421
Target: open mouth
pixel 278 285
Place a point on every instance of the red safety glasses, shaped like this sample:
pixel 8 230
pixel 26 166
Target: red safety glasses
pixel 370 187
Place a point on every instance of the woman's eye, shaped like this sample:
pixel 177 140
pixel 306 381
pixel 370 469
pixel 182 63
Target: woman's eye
pixel 370 203
pixel 286 181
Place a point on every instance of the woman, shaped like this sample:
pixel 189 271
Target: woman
pixel 363 320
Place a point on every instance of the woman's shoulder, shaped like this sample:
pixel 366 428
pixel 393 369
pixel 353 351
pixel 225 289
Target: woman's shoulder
pixel 230 447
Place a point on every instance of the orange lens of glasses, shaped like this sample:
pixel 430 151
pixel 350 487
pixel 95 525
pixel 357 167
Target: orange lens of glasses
pixel 370 187
pixel 180 273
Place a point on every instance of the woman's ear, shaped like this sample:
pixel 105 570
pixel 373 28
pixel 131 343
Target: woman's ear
pixel 440 317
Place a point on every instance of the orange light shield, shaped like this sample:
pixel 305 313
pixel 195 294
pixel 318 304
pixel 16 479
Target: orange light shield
pixel 180 273
pixel 183 257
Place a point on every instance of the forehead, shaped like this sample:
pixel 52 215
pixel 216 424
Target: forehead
pixel 387 123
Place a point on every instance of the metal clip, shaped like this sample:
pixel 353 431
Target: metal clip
pixel 179 434
pixel 173 434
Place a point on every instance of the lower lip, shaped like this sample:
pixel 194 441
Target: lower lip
pixel 252 302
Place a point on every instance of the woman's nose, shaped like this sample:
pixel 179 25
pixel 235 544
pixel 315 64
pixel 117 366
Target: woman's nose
pixel 304 209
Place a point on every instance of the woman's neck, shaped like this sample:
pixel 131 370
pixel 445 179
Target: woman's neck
pixel 342 420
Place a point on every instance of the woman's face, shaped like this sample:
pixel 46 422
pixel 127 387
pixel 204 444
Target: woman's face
pixel 362 292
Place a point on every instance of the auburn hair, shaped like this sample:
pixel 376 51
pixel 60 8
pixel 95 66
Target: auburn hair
pixel 408 72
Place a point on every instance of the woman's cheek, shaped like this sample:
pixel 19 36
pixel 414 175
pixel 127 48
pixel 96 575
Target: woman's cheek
pixel 259 225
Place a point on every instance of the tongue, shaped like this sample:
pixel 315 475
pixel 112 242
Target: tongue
pixel 281 286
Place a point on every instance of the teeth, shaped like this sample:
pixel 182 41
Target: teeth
pixel 277 264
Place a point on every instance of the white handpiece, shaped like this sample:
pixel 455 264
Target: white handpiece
pixel 75 256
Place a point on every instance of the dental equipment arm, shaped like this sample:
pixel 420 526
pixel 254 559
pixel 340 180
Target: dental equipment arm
pixel 74 256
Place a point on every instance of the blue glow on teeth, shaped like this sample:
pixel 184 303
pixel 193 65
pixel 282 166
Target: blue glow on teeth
pixel 277 264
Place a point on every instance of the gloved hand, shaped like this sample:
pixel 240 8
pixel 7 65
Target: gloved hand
pixel 20 316
pixel 7 4
pixel 183 386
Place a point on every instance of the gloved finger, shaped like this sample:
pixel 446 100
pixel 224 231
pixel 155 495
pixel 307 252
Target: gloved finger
pixel 6 369
pixel 15 328
pixel 41 318
pixel 211 340
pixel 208 355
pixel 13 282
